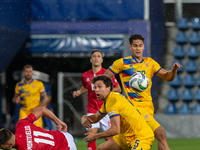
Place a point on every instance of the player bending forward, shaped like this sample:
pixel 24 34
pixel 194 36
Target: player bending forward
pixel 30 137
pixel 128 128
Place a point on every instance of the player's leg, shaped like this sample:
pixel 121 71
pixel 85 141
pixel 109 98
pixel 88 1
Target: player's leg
pixel 142 144
pixel 105 124
pixel 70 140
pixel 109 145
pixel 159 134
pixel 93 129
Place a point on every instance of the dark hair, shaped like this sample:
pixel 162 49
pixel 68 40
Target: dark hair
pixel 27 66
pixel 135 37
pixel 96 50
pixel 106 80
pixel 5 136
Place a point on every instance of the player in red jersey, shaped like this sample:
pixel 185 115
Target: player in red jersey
pixel 94 104
pixel 30 137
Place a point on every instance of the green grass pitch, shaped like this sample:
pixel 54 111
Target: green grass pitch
pixel 174 144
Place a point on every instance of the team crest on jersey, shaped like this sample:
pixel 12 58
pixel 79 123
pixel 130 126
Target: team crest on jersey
pixel 88 79
pixel 147 65
pixel 146 116
pixel 33 86
pixel 111 113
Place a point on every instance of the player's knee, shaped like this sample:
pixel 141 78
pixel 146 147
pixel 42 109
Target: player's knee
pixel 101 147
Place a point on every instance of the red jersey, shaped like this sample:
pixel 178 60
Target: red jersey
pixel 31 137
pixel 93 104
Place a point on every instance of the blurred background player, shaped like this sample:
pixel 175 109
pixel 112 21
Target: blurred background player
pixel 128 128
pixel 125 67
pixel 28 93
pixel 30 137
pixel 94 104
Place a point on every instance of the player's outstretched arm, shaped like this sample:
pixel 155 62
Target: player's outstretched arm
pixel 79 92
pixel 44 101
pixel 169 75
pixel 42 111
pixel 113 130
pixel 109 73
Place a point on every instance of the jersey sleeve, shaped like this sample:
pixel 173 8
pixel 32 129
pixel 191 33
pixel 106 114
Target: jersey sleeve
pixel 30 118
pixel 16 89
pixel 112 107
pixel 114 80
pixel 83 81
pixel 117 66
pixel 41 87
pixel 156 66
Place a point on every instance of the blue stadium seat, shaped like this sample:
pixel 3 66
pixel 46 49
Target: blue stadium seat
pixel 197 95
pixel 182 23
pixel 179 52
pixel 194 38
pixel 184 109
pixel 181 68
pixel 176 82
pixel 181 38
pixel 171 109
pixel 191 66
pixel 186 95
pixel 172 95
pixel 196 109
pixel 198 81
pixel 195 23
pixel 188 80
pixel 192 52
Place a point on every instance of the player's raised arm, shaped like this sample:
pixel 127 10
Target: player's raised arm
pixel 42 111
pixel 79 92
pixel 169 75
pixel 109 73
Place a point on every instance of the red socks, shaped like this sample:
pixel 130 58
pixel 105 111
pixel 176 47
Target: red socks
pixel 92 146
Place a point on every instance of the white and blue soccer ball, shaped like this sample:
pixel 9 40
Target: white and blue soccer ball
pixel 139 81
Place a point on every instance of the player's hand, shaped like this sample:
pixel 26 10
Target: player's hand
pixel 86 121
pixel 90 137
pixel 176 66
pixel 62 126
pixel 76 93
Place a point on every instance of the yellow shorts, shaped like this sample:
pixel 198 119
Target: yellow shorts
pixel 147 111
pixel 133 143
pixel 24 113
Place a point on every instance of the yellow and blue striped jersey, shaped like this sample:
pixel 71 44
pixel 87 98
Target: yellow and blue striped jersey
pixel 29 93
pixel 132 123
pixel 126 66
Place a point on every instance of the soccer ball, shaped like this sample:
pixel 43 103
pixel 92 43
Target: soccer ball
pixel 139 81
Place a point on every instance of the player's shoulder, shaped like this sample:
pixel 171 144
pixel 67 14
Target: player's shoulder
pixel 37 81
pixel 20 83
pixel 148 58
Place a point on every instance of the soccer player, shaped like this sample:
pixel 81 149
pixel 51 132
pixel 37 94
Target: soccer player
pixel 93 104
pixel 128 128
pixel 126 66
pixel 30 137
pixel 28 93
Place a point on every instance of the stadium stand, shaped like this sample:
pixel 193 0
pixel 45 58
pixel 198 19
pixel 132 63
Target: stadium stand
pixel 173 95
pixel 176 82
pixel 181 37
pixel 171 109
pixel 182 23
pixel 188 81
pixel 195 23
pixel 192 52
pixel 186 95
pixel 194 38
pixel 191 66
pixel 184 109
pixel 179 52
pixel 196 109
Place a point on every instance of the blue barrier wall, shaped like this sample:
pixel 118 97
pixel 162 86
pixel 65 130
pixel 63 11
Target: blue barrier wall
pixel 14 29
pixel 88 9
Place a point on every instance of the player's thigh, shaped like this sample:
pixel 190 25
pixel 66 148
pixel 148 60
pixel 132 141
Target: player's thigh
pixel 153 124
pixel 142 144
pixel 109 145
pixel 70 140
pixel 105 123
pixel 39 122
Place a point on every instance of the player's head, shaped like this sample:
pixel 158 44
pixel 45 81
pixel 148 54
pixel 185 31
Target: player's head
pixel 103 86
pixel 7 139
pixel 136 45
pixel 28 72
pixel 96 57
